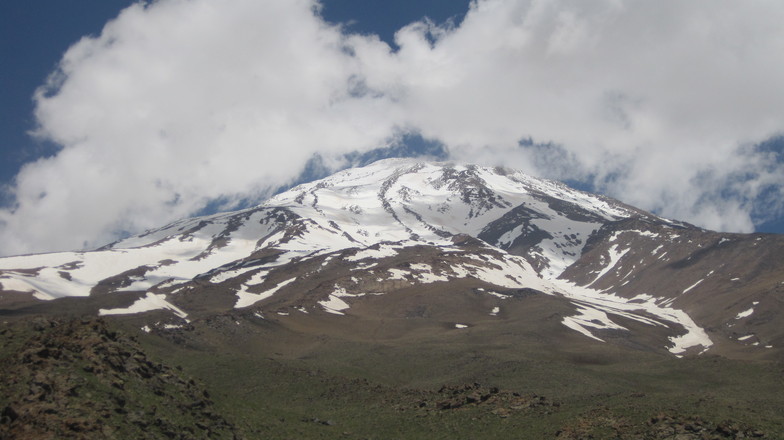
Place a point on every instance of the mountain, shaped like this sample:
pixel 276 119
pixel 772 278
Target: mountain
pixel 404 299
pixel 448 244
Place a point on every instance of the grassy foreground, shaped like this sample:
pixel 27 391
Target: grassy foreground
pixel 106 379
pixel 273 383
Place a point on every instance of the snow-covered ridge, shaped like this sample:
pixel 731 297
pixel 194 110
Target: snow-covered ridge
pixel 457 198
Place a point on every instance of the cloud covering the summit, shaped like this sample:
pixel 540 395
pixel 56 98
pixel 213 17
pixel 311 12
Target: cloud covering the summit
pixel 178 103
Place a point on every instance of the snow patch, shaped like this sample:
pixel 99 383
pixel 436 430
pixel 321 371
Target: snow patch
pixel 590 317
pixel 647 234
pixel 421 267
pixel 745 313
pixel 653 313
pixel 397 274
pixel 148 303
pixel 692 286
pixel 498 295
pixel 334 303
pixel 507 238
pixel 364 266
pixel 427 276
pixel 381 252
pixel 245 298
pixel 615 256
pixel 20 285
pixel 694 336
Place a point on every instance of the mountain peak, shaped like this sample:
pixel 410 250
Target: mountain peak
pixel 373 236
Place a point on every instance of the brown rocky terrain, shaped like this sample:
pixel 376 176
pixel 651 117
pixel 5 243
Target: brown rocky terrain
pixel 78 378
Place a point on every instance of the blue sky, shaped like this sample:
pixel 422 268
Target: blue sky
pixel 36 34
pixel 34 37
pixel 179 107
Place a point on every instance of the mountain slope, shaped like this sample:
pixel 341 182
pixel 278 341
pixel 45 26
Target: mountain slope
pixel 433 245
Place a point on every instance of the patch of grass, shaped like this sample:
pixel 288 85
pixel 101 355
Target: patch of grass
pixel 332 387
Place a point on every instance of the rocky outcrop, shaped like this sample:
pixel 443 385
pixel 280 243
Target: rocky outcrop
pixel 659 427
pixel 82 379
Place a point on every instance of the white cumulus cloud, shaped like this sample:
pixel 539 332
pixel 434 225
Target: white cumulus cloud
pixel 647 98
pixel 181 102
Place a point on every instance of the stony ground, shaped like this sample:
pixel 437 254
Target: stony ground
pixel 80 379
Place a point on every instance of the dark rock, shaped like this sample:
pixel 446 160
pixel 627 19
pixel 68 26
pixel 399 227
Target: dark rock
pixel 726 428
pixel 473 398
pixel 444 404
pixel 8 415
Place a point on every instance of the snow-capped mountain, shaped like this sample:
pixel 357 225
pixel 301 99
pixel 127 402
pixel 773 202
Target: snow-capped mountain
pixel 461 245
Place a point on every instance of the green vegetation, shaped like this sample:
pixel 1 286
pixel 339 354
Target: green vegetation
pixel 327 387
pixel 265 381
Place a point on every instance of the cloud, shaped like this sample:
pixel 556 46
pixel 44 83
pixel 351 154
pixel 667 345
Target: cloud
pixel 646 98
pixel 179 103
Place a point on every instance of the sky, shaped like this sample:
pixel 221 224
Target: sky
pixel 119 116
